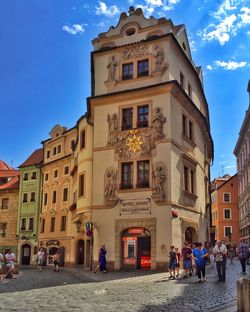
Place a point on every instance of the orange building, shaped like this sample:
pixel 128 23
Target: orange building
pixel 225 210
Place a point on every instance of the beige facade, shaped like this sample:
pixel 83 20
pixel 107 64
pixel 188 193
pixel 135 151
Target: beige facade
pixel 151 143
pixel 242 152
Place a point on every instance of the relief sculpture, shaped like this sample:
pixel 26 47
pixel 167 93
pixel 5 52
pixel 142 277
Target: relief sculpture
pixel 113 128
pixel 158 183
pixel 111 185
pixel 157 123
pixel 112 69
pixel 160 63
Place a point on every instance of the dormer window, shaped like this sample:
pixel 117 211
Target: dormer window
pixel 127 71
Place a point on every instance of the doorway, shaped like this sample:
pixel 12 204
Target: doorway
pixel 80 252
pixel 26 250
pixel 143 252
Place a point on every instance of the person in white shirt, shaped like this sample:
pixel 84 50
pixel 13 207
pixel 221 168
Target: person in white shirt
pixel 10 259
pixel 220 254
pixel 40 259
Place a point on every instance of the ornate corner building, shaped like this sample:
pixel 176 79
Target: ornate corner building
pixel 152 146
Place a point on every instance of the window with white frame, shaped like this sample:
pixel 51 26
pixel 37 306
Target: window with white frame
pixel 227 197
pixel 227 231
pixel 227 213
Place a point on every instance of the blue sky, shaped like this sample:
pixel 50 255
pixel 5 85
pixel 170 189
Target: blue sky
pixel 45 65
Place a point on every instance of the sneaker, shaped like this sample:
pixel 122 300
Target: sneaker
pixel 171 276
pixel 199 281
pixel 204 279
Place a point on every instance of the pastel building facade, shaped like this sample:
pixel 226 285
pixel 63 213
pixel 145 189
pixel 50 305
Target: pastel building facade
pixel 29 207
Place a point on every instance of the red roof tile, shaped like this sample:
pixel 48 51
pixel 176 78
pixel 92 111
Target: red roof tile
pixel 8 173
pixel 34 159
pixel 12 184
pixel 4 166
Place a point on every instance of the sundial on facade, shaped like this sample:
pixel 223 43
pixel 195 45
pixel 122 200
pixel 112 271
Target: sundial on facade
pixel 134 143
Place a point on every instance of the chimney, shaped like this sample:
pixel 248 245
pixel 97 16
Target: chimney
pixel 248 90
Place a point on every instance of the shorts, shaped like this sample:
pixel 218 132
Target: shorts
pixel 172 264
pixel 40 262
pixel 56 262
pixel 10 265
pixel 187 264
pixel 177 265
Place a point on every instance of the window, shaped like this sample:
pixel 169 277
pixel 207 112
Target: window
pixel 227 213
pixel 3 228
pixel 184 125
pixel 227 230
pixel 66 170
pixel 82 139
pixel 182 79
pixel 42 226
pixel 81 185
pixel 48 154
pixel 23 224
pixel 25 176
pixel 72 144
pixel 63 223
pixel 142 68
pixel 45 199
pixel 143 173
pixel 65 194
pixel 59 148
pixel 33 176
pixel 189 179
pixel 227 197
pixel 33 197
pixel 52 224
pixel 189 90
pixel 55 173
pixel 54 197
pixel 192 181
pixel 25 197
pixel 127 118
pixel 127 175
pixel 54 150
pixel 142 116
pixel 31 224
pixel 190 132
pixel 5 203
pixel 127 71
pixel 186 178
pixel 46 177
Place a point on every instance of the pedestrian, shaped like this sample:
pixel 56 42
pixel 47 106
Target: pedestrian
pixel 186 254
pixel 40 259
pixel 1 265
pixel 10 259
pixel 230 253
pixel 200 255
pixel 220 253
pixel 178 257
pixel 101 260
pixel 172 262
pixel 56 258
pixel 242 252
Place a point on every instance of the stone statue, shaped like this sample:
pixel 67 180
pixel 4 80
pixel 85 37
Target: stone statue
pixel 158 181
pixel 157 123
pixel 113 128
pixel 110 185
pixel 160 64
pixel 112 69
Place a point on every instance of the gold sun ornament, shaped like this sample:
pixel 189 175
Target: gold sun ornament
pixel 134 143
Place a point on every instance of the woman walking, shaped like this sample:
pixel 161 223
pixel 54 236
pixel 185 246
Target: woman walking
pixel 200 255
pixel 56 258
pixel 102 260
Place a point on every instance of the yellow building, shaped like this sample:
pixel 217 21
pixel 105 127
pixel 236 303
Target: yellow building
pixel 152 145
pixel 9 196
pixel 56 229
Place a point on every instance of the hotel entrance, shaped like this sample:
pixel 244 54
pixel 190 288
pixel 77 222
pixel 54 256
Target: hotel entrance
pixel 136 249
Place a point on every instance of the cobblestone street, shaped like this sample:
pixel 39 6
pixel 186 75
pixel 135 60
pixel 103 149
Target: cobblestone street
pixel 74 290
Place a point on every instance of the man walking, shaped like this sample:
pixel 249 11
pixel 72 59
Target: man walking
pixel 242 252
pixel 186 253
pixel 220 253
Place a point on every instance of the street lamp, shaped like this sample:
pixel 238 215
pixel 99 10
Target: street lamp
pixel 78 224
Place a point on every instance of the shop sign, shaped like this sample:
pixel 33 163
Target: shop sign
pixel 146 262
pixel 129 239
pixel 135 206
pixel 136 231
pixel 53 242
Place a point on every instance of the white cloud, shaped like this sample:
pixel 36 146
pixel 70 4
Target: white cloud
pixel 230 65
pixel 221 31
pixel 102 9
pixel 74 29
pixel 131 2
pixel 248 33
pixel 229 167
pixel 169 4
pixel 245 16
pixel 227 5
pixel 154 2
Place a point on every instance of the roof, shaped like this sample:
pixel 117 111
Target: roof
pixel 225 182
pixel 12 184
pixel 34 159
pixel 4 166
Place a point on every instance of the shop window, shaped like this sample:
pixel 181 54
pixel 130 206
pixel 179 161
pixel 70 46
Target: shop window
pixel 142 115
pixel 25 197
pixel 54 197
pixel 82 139
pixel 32 196
pixel 3 229
pixel 31 224
pixel 143 173
pixel 5 203
pixel 63 223
pixel 42 226
pixel 25 176
pixel 227 213
pixel 45 199
pixel 23 224
pixel 142 68
pixel 81 185
pixel 65 194
pixel 52 224
pixel 127 175
pixel 127 118
pixel 127 71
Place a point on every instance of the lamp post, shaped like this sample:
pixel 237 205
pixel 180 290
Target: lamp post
pixel 78 224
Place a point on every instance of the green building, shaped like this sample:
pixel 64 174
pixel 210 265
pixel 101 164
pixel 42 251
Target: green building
pixel 29 207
